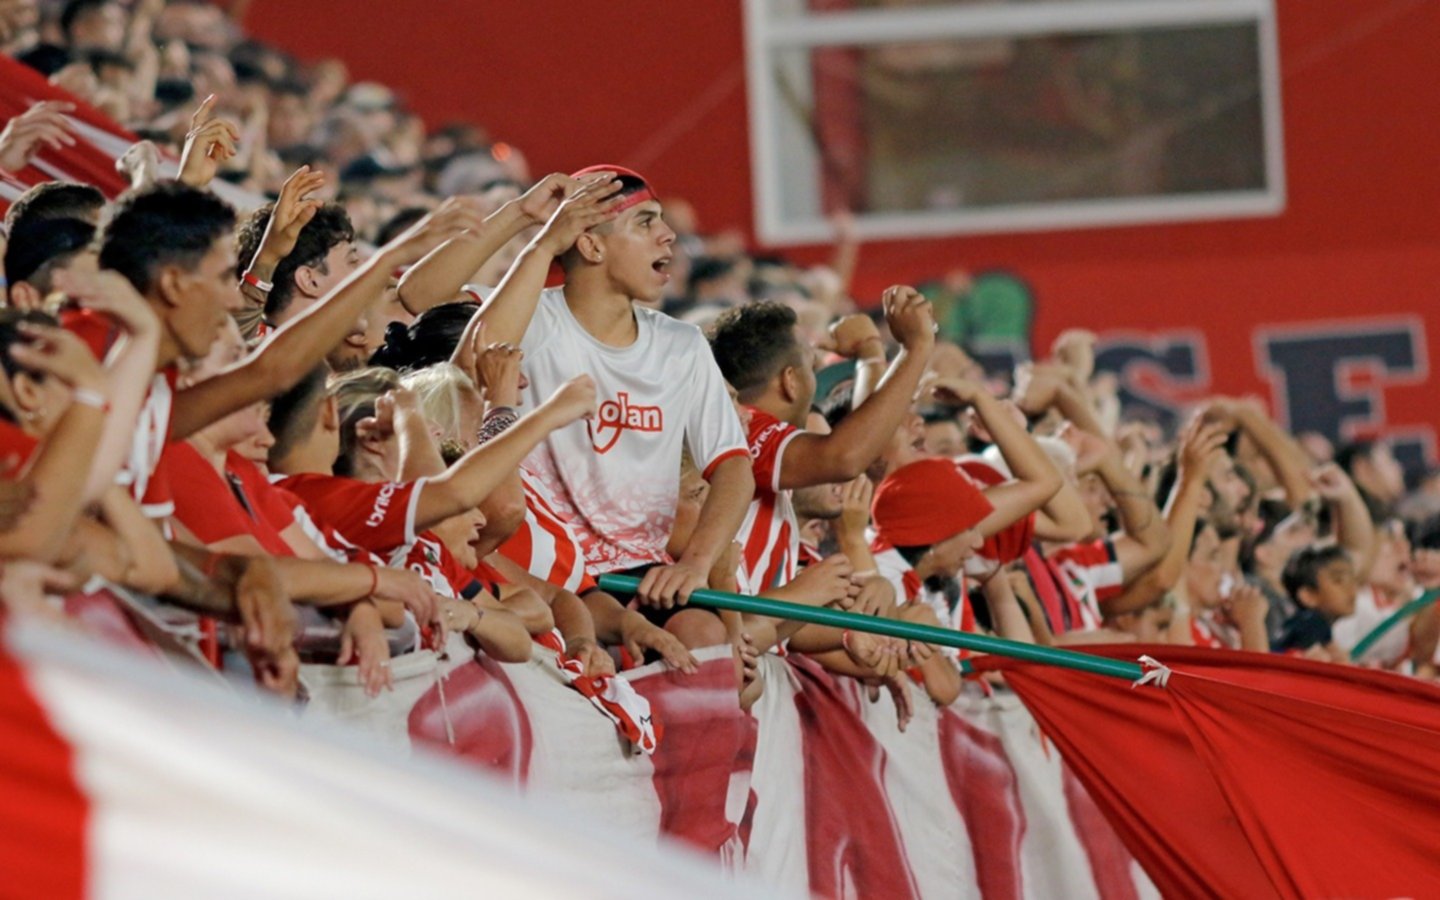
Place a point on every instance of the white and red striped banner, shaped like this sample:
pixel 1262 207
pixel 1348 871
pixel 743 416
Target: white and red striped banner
pixel 122 778
pixel 816 791
pixel 126 773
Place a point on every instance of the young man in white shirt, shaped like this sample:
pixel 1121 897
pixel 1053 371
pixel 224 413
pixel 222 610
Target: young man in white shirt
pixel 616 480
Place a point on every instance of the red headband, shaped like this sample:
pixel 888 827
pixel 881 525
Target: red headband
pixel 629 200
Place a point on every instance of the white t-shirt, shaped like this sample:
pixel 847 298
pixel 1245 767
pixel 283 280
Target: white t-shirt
pixel 1391 649
pixel 616 480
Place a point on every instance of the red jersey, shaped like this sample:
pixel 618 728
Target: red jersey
pixel 374 516
pixel 1094 571
pixel 216 507
pixel 16 448
pixel 770 535
pixel 1059 601
pixel 271 503
pixel 433 561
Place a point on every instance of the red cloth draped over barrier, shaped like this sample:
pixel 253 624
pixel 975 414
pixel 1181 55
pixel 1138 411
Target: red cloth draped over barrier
pixel 1253 776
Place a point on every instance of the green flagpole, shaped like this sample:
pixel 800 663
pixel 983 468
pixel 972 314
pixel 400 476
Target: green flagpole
pixel 911 631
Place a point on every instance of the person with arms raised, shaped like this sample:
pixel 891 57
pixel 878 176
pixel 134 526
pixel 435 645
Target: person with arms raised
pixel 617 480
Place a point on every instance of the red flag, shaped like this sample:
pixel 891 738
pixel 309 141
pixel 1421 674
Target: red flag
pixel 1253 775
pixel 87 161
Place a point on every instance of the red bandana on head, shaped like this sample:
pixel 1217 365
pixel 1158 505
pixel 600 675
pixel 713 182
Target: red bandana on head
pixel 926 502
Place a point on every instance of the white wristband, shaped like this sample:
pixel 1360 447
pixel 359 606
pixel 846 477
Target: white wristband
pixel 87 397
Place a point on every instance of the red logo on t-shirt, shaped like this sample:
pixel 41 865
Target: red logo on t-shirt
pixel 619 415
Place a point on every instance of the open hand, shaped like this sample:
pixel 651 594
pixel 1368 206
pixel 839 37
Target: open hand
pixel 592 204
pixel 210 142
pixel 293 210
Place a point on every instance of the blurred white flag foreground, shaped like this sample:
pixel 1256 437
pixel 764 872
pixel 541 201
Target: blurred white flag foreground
pixel 122 777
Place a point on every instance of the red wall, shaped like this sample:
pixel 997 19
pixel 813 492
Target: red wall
pixel 659 86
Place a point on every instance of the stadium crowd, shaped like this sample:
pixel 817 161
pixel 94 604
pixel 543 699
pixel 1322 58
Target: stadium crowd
pixel 367 418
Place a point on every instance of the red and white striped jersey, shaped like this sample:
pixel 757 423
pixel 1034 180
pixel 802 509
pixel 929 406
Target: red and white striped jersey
pixel 770 535
pixel 142 472
pixel 1204 634
pixel 545 546
pixel 1094 571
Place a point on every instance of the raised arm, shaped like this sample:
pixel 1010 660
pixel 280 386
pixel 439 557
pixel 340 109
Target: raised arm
pixel 293 210
pixel 53 472
pixel 1354 529
pixel 844 454
pixel 471 479
pixel 1144 538
pixel 130 368
pixel 302 343
pixel 508 312
pixel 1279 449
pixel 1036 478
pixel 1198 447
pixel 445 271
pixel 1064 518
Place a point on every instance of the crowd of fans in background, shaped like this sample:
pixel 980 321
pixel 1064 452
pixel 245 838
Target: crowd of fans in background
pixel 355 423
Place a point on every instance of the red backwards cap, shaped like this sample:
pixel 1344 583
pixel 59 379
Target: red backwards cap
pixel 926 502
pixel 629 200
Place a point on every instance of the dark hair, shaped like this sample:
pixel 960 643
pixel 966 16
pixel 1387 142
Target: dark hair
pixel 753 342
pixel 1303 569
pixel 248 72
pixel 1270 514
pixel 172 92
pixel 99 59
pixel 1166 476
pixel 330 228
pixel 168 223
pixel 292 87
pixel 709 268
pixel 1425 535
pixel 293 413
pixel 36 248
pixel 77 8
pixel 1346 455
pixel 397 224
pixel 47 59
pixel 298 155
pixel 10 335
pixel 1201 523
pixel 55 200
pixel 430 339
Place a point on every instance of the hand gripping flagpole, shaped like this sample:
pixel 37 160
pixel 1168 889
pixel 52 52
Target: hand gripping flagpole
pixel 910 631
